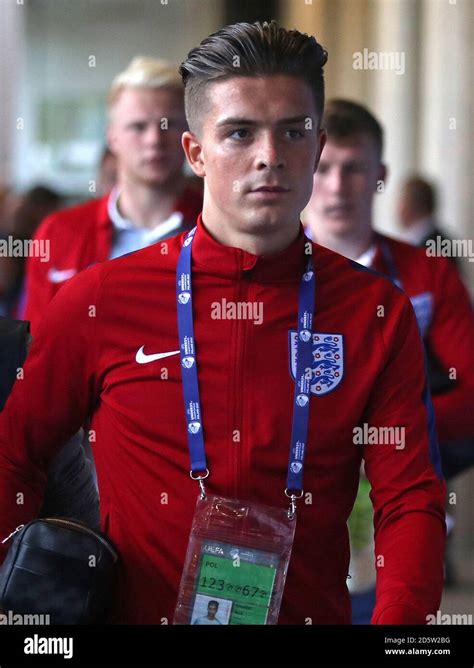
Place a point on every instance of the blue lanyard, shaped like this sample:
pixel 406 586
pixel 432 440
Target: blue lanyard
pixel 389 261
pixel 304 373
pixel 421 303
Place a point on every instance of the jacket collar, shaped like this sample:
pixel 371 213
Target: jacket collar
pixel 213 258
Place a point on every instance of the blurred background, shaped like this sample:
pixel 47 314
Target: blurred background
pixel 58 57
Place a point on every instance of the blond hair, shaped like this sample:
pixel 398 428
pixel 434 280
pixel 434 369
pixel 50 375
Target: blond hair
pixel 144 72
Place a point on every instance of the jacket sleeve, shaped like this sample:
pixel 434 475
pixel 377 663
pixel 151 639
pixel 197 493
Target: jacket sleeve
pixel 39 290
pixel 408 492
pixel 51 402
pixel 450 338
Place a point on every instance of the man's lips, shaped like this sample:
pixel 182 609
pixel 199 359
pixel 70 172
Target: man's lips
pixel 154 160
pixel 270 189
pixel 338 209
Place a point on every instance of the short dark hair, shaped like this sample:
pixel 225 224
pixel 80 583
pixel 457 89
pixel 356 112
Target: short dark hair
pixel 420 196
pixel 213 603
pixel 251 49
pixel 343 119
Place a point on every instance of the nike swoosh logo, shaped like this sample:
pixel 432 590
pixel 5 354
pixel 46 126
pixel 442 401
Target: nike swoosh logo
pixel 142 358
pixel 60 275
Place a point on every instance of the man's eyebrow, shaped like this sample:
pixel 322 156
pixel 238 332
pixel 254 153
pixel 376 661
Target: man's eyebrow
pixel 247 121
pixel 235 121
pixel 294 119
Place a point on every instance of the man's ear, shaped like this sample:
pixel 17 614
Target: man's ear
pixel 322 137
pixel 110 135
pixel 193 150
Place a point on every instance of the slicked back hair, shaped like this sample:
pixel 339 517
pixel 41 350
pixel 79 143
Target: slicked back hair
pixel 250 49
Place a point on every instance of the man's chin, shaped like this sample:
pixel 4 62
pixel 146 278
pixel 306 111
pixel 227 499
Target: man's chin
pixel 261 220
pixel 271 214
pixel 339 224
pixel 157 180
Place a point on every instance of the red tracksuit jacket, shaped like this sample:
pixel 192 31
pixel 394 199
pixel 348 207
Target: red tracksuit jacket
pixel 79 237
pixel 449 321
pixel 84 361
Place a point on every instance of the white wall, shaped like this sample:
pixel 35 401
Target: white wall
pixel 62 35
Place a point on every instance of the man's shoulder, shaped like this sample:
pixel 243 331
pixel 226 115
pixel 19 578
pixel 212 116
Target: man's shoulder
pixel 417 266
pixel 145 267
pixel 350 276
pixel 162 255
pixel 73 220
pixel 401 249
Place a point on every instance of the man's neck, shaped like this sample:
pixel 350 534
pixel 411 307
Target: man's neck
pixel 263 241
pixel 146 206
pixel 352 245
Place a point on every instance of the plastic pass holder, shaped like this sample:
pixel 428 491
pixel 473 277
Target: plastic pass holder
pixel 236 563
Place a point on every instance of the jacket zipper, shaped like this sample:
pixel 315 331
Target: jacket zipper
pixel 242 291
pixel 19 528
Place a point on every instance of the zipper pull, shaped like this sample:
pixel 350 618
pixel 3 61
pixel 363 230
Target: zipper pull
pixel 19 528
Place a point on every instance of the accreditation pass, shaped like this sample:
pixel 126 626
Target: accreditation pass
pixel 234 584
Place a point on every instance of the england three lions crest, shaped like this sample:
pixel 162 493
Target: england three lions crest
pixel 328 361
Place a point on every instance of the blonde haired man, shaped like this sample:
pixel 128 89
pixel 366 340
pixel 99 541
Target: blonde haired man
pixel 152 199
pixel 144 72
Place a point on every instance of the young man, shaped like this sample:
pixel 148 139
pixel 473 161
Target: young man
pixel 339 216
pixel 152 200
pixel 210 618
pixel 109 347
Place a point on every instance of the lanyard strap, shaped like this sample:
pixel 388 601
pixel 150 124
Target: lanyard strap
pixel 422 307
pixel 304 373
pixel 389 261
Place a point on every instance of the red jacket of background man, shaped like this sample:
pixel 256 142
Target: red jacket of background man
pixel 367 370
pixel 78 238
pixel 446 317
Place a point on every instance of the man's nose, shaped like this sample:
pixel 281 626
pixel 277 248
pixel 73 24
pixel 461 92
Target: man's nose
pixel 155 134
pixel 335 181
pixel 270 152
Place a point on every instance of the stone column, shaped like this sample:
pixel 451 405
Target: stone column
pixel 393 96
pixel 12 49
pixel 446 102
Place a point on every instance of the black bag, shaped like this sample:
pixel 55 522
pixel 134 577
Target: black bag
pixel 61 568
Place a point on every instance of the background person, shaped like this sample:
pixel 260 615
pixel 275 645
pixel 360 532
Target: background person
pixel 151 201
pixel 416 212
pixel 26 211
pixel 339 217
